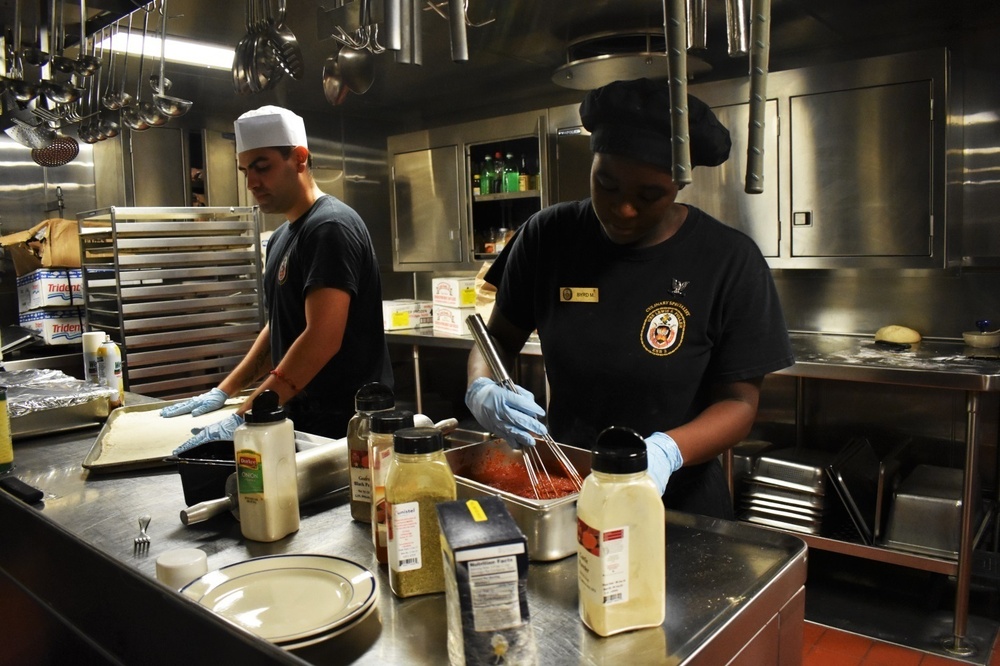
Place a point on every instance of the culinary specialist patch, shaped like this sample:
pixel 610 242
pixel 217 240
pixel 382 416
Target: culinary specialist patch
pixel 663 329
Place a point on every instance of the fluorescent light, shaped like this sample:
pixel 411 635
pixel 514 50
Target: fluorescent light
pixel 184 51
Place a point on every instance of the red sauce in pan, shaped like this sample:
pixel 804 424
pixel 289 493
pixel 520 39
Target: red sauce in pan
pixel 498 471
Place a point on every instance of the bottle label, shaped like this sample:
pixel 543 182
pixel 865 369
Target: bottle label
pixel 403 527
pixel 603 564
pixel 361 477
pixel 251 472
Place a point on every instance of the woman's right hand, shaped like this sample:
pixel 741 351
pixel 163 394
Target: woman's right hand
pixel 510 415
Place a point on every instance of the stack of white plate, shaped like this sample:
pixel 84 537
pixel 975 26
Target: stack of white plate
pixel 290 600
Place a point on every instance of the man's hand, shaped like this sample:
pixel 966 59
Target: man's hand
pixel 202 404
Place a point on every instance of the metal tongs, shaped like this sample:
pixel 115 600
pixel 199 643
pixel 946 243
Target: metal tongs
pixel 532 458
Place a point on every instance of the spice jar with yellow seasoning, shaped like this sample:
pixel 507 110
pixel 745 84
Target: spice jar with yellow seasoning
pixel 383 425
pixel 370 398
pixel 621 538
pixel 419 478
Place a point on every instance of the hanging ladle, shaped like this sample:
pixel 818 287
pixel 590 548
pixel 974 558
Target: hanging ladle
pixel 169 106
pixel 86 64
pixel 114 100
pixel 23 91
pixel 60 92
pixel 132 115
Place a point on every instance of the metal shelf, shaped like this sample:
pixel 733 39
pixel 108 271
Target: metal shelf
pixel 179 289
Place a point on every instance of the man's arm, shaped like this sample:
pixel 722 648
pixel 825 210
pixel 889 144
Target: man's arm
pixel 256 363
pixel 326 321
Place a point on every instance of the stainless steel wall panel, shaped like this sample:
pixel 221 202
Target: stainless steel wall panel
pixel 159 167
pixel 756 215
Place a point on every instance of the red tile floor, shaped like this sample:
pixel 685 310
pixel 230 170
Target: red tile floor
pixel 824 646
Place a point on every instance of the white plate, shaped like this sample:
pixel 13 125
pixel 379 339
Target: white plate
pixel 284 598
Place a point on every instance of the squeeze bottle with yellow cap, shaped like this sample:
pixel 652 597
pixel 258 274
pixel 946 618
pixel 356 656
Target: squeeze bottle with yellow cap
pixel 109 370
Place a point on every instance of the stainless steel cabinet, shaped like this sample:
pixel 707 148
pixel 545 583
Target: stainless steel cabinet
pixel 427 207
pixel 856 164
pixel 437 222
pixel 178 288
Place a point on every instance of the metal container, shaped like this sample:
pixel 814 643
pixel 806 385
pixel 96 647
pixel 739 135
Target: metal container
pixel 926 512
pixel 549 525
pixel 798 469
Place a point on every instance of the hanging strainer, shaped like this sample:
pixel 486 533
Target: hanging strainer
pixel 30 136
pixel 61 151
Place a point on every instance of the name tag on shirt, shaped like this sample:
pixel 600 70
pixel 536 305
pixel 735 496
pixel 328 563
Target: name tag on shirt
pixel 578 295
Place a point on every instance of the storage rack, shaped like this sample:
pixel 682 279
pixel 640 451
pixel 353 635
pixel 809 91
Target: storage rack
pixel 179 289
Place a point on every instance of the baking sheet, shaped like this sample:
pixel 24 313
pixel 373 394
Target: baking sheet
pixel 132 453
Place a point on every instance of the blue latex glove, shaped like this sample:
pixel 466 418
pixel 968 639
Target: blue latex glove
pixel 663 457
pixel 202 404
pixel 507 414
pixel 220 430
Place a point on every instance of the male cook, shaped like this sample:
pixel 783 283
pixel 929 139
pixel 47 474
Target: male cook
pixel 323 338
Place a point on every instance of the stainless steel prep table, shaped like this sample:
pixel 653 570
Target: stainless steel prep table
pixel 730 586
pixel 931 364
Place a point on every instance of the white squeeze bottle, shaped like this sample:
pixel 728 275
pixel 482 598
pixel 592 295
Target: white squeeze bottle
pixel 621 538
pixel 109 371
pixel 266 472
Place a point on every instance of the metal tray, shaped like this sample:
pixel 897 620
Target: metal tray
pixel 549 525
pixel 89 414
pixel 758 490
pixel 795 469
pixel 143 458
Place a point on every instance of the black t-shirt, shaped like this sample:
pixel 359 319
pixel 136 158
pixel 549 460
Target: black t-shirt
pixel 636 337
pixel 329 246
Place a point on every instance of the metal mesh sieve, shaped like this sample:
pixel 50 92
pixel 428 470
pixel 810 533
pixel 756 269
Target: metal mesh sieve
pixel 61 151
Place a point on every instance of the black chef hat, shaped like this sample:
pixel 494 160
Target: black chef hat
pixel 632 119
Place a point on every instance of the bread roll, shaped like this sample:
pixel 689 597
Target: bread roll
pixel 897 334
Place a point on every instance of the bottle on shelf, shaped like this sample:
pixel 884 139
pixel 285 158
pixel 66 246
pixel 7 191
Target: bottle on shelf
pixel 490 246
pixel 476 190
pixel 498 173
pixel 486 177
pixel 524 178
pixel 511 176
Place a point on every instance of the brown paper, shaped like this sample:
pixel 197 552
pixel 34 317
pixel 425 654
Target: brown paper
pixel 51 243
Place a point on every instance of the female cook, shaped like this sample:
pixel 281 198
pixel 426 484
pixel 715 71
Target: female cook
pixel 651 313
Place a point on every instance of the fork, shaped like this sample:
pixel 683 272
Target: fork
pixel 141 543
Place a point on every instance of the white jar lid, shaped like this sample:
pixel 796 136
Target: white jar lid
pixel 177 568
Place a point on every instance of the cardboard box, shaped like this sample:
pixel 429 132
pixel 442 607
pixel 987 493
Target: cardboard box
pixel 406 313
pixel 452 320
pixel 486 583
pixel 57 327
pixel 47 288
pixel 454 292
pixel 49 244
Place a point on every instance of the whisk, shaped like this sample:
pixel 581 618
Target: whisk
pixel 533 461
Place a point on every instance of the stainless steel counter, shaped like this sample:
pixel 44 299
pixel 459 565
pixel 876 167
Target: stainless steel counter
pixel 725 581
pixel 938 364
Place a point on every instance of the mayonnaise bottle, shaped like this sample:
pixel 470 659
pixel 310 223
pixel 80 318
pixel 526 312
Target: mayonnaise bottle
pixel 266 471
pixel 109 371
pixel 621 538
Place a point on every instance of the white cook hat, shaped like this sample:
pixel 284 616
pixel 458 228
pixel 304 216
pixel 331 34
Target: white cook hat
pixel 269 126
